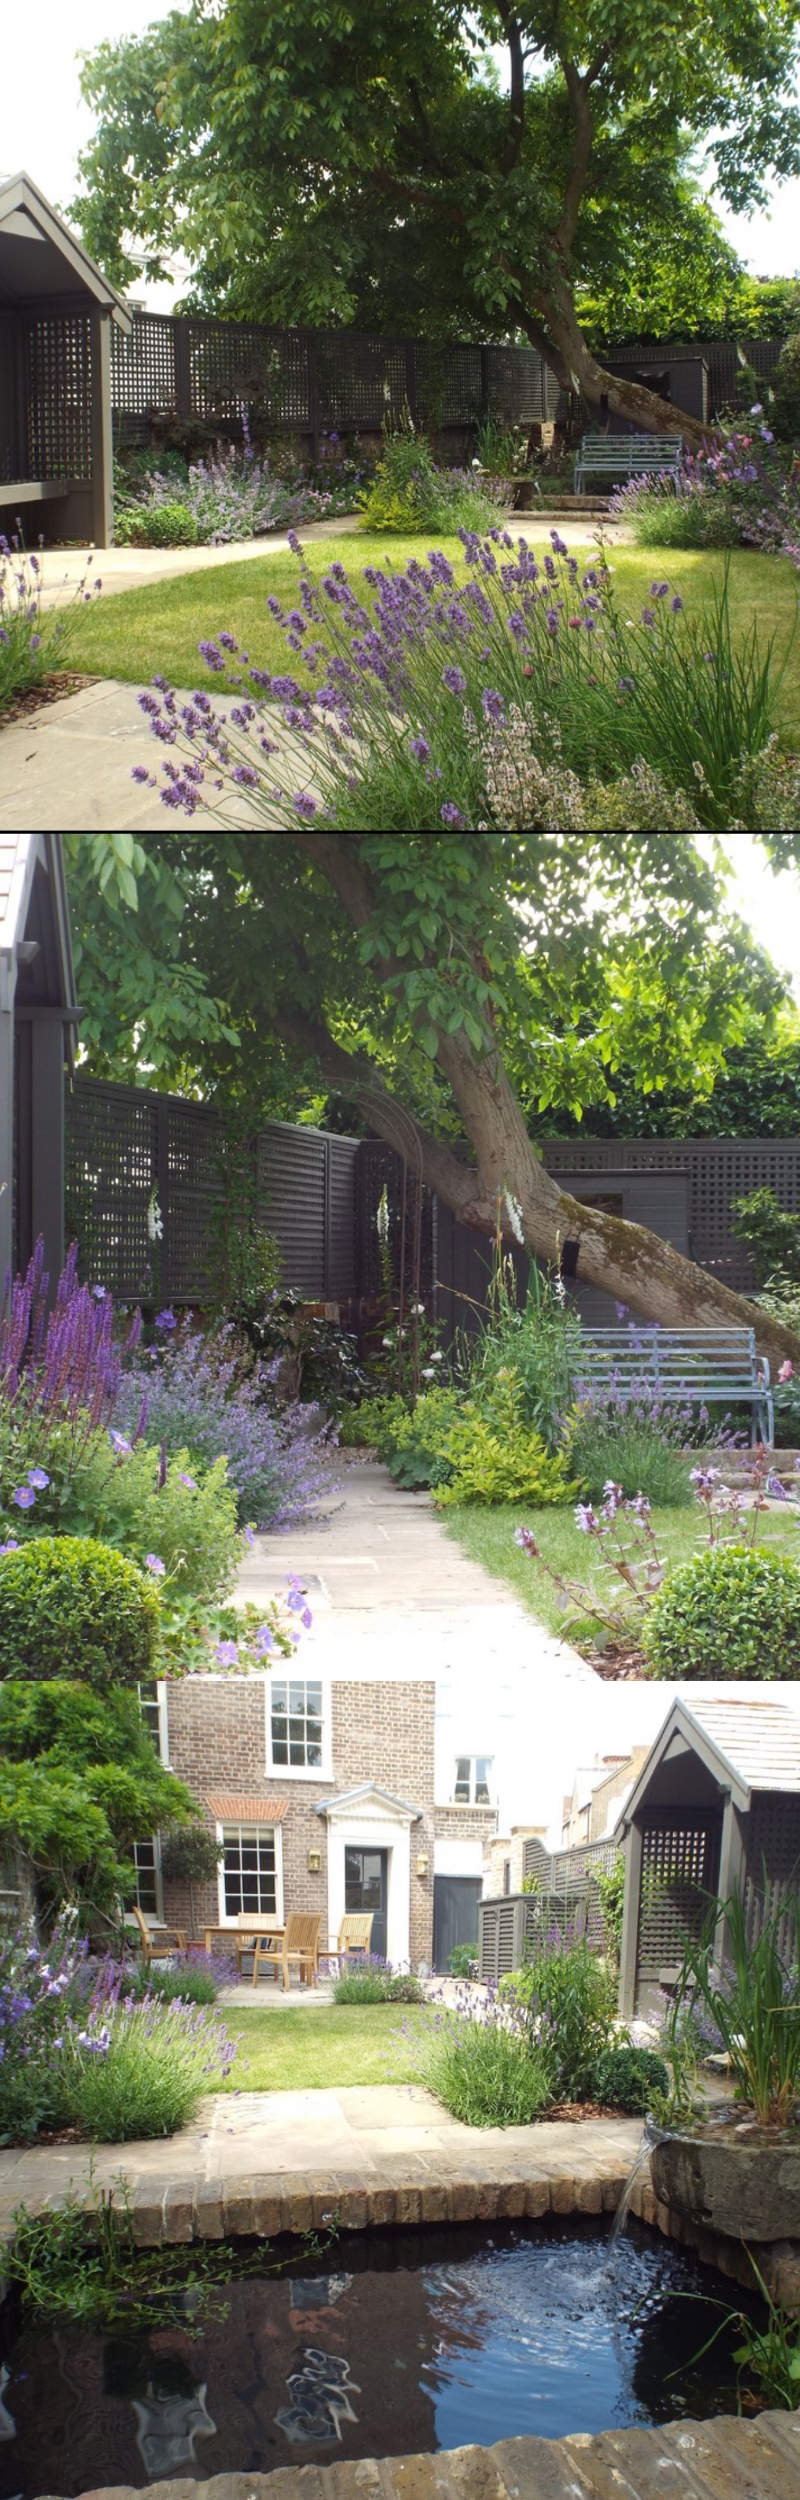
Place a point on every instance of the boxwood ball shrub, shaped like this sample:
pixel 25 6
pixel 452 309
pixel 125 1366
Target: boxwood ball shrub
pixel 732 1611
pixel 70 1606
pixel 629 2078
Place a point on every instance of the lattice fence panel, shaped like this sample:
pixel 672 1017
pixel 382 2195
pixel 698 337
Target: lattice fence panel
pixel 773 1859
pixel 447 381
pixel 9 397
pixel 679 1869
pixel 111 1173
pixel 516 379
pixel 379 1165
pixel 58 395
pixel 193 1195
pixel 360 380
pixel 235 366
pixel 143 375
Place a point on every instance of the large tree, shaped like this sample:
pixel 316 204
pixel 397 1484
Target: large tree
pixel 486 153
pixel 437 982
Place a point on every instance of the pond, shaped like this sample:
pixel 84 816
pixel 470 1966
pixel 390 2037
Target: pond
pixel 393 2343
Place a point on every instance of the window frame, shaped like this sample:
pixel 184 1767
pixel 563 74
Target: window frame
pixel 299 1770
pixel 150 1841
pixel 230 1918
pixel 472 1760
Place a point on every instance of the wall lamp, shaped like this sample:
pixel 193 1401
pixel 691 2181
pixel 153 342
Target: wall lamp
pixel 423 1865
pixel 314 1861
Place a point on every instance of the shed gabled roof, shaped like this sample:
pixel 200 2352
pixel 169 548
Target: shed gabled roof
pixel 40 257
pixel 34 906
pixel 747 1745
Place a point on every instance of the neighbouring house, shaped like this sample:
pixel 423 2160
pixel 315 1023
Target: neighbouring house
pixel 715 1810
pixel 504 1857
pixel 597 1790
pixel 323 1791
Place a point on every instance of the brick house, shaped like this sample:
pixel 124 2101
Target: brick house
pixel 322 1789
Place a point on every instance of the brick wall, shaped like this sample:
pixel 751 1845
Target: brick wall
pixel 465 1822
pixel 380 1732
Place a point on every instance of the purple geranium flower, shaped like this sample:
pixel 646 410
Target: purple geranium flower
pixel 154 1563
pixel 38 1477
pixel 24 1496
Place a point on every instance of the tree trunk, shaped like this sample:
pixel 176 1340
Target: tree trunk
pixel 572 362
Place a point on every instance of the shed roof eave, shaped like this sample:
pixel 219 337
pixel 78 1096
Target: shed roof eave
pixel 680 1721
pixel 19 191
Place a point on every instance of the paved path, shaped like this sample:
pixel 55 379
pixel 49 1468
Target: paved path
pixel 270 2161
pixel 387 1585
pixel 133 568
pixel 717 2460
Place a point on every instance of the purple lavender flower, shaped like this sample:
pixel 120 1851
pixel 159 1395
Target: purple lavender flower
pixel 212 656
pixel 449 815
pixel 454 680
pixel 492 704
pixel 421 750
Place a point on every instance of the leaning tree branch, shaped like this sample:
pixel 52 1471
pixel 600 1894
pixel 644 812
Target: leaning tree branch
pixel 509 155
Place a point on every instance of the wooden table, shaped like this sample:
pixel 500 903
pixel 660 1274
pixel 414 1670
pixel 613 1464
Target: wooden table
pixel 240 1940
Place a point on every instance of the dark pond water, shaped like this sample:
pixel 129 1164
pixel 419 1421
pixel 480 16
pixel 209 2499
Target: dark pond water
pixel 416 2341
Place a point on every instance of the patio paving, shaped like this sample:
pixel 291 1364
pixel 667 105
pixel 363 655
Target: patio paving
pixel 283 2160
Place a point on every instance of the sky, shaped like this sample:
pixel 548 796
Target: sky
pixel 769 904
pixel 43 103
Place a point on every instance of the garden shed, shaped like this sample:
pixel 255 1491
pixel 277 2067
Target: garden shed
pixel 56 315
pixel 38 1019
pixel 715 1810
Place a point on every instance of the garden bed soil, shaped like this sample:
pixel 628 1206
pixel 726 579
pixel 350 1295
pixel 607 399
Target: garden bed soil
pixel 63 681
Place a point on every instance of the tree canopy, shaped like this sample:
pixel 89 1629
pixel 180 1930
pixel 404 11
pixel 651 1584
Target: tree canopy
pixel 473 156
pixel 449 989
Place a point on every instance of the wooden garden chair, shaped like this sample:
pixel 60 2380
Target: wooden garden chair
pixel 299 1943
pixel 354 1937
pixel 247 1930
pixel 155 1940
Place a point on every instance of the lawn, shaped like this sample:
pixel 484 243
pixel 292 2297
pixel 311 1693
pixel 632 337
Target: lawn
pixel 300 2051
pixel 488 1537
pixel 138 633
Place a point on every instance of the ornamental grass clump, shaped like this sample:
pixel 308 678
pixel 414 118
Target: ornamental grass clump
pixel 391 694
pixel 753 2003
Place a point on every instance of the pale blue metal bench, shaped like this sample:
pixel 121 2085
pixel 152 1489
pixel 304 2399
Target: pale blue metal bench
pixel 626 455
pixel 704 1366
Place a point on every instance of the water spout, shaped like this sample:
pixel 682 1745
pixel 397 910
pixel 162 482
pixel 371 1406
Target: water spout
pixel 651 2134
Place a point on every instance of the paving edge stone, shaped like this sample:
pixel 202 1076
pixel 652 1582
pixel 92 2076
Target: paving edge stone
pixel 290 2204
pixel 760 2459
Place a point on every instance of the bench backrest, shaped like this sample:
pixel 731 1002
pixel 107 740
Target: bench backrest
pixel 704 1362
pixel 626 445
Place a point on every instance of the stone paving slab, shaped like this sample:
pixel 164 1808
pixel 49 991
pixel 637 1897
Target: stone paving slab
pixel 284 2158
pixel 717 2460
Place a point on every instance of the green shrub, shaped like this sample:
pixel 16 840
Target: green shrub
pixel 70 1606
pixel 464 1961
pixel 628 2078
pixel 409 493
pixel 539 1343
pixel 415 1446
pixel 483 2072
pixel 362 1427
pixel 188 1982
pixel 770 1233
pixel 494 1456
pixel 785 405
pixel 186 1514
pixel 631 1453
pixel 161 525
pixel 570 1999
pixel 732 1611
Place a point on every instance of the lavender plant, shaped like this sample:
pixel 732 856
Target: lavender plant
pixel 192 1392
pixel 741 492
pixel 34 640
pixel 390 735
pixel 479 2059
pixel 230 495
pixel 42 2003
pixel 139 2069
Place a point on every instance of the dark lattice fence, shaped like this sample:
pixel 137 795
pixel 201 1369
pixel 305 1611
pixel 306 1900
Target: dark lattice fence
pixel 718 1169
pixel 56 354
pixel 308 381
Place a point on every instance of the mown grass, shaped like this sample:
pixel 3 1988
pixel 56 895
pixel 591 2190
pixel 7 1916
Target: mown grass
pixel 137 633
pixel 316 2049
pixel 488 1537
